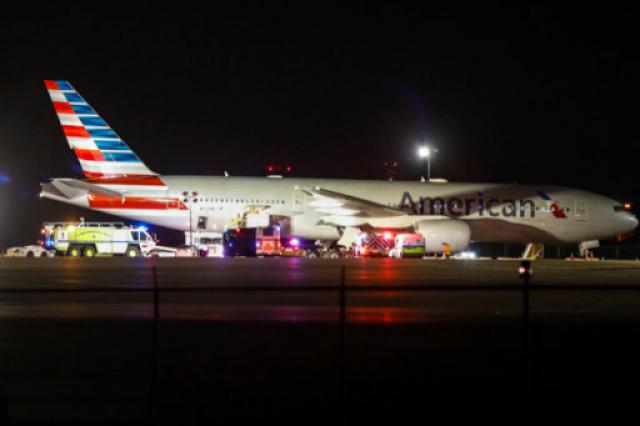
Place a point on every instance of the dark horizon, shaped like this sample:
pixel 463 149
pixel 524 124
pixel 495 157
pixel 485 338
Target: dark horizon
pixel 511 94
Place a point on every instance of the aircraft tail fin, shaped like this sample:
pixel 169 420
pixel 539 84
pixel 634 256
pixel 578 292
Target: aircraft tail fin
pixel 101 152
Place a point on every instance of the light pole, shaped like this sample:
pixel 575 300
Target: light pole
pixel 189 198
pixel 425 153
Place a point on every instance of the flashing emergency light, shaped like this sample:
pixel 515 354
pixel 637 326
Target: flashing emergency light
pixel 388 235
pixel 525 270
pixel 294 242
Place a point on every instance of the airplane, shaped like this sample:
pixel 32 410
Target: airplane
pixel 330 211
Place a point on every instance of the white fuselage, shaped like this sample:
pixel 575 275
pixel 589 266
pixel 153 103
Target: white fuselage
pixel 494 212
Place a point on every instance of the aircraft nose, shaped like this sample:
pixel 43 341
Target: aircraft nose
pixel 627 222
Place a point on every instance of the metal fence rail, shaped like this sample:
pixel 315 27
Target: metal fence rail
pixel 522 286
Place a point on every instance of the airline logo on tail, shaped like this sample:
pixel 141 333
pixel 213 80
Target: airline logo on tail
pixel 113 170
pixel 101 152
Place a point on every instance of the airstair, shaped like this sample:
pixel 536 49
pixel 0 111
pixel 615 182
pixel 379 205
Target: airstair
pixel 533 251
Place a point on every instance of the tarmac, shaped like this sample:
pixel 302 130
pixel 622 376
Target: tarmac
pixel 310 340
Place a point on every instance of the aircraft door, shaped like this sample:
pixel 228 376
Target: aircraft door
pixel 299 201
pixel 580 210
pixel 202 223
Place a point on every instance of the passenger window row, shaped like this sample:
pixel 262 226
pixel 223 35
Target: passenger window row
pixel 236 200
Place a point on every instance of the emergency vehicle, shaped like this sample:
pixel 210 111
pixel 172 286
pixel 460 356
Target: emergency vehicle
pixel 89 239
pixel 372 244
pixel 408 245
pixel 252 242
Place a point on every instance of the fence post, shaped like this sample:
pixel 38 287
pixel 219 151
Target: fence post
pixel 343 339
pixel 526 330
pixel 154 347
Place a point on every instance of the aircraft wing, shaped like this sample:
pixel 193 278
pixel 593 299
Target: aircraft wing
pixel 338 204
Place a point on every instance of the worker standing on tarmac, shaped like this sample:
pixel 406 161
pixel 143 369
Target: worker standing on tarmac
pixel 446 250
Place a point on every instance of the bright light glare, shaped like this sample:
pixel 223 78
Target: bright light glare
pixel 295 242
pixel 467 255
pixel 424 152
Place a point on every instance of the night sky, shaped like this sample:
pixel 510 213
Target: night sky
pixel 527 94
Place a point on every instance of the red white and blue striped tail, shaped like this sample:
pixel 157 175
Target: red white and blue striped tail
pixel 101 152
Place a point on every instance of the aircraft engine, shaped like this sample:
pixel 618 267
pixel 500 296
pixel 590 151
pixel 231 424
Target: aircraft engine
pixel 436 233
pixel 307 226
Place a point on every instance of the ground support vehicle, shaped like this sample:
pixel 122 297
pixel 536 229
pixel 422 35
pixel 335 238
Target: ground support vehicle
pixel 28 251
pixel 162 251
pixel 207 244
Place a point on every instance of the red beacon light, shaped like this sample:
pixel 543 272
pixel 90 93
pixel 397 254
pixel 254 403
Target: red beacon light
pixel 525 270
pixel 280 168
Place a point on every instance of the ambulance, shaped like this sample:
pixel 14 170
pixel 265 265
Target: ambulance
pixel 408 245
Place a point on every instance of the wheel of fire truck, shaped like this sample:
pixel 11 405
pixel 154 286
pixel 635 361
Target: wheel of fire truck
pixel 74 251
pixel 132 251
pixel 89 251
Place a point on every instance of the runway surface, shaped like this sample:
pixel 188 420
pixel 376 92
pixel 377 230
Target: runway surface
pixel 263 339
